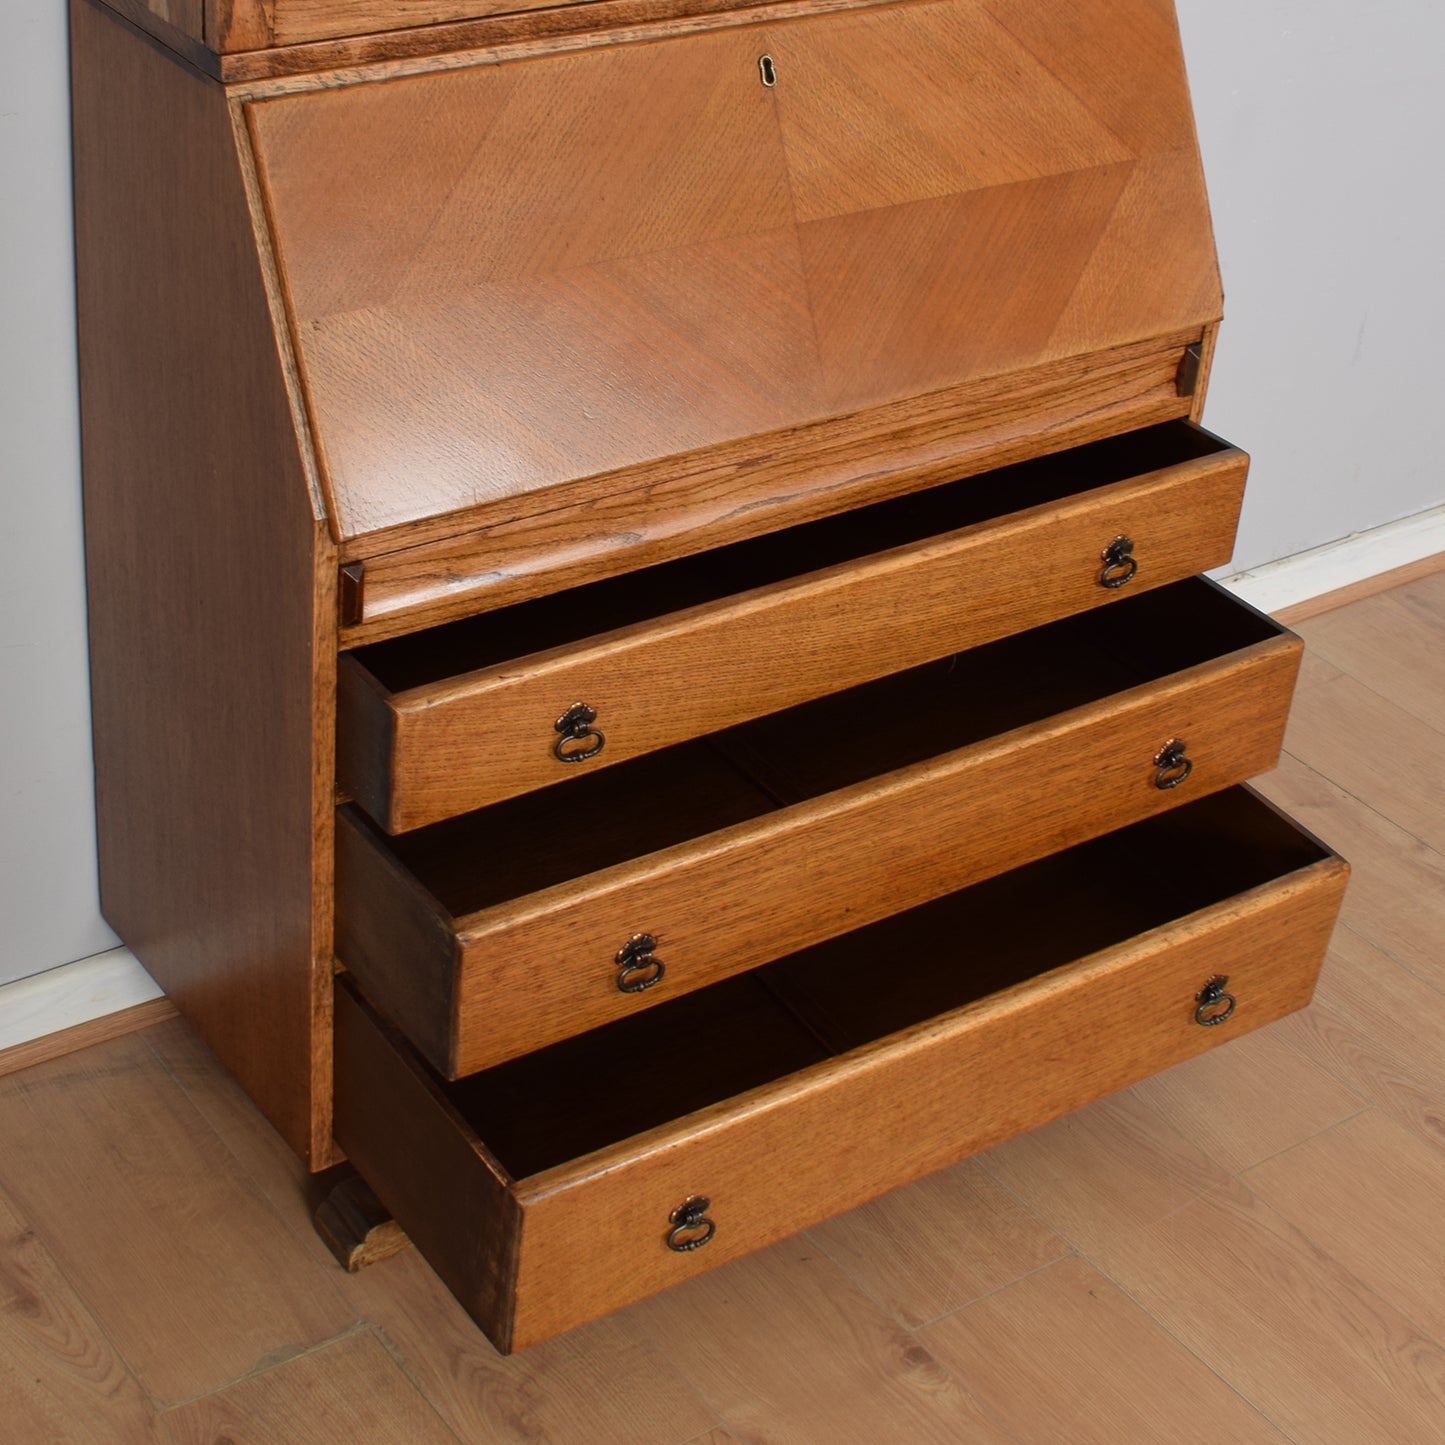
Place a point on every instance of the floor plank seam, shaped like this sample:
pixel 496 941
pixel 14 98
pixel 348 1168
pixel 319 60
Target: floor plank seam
pixel 1324 1258
pixel 1188 1349
pixel 1071 1253
pixel 645 1332
pixel 1394 958
pixel 403 1364
pixel 307 1235
pixel 869 1294
pixel 1368 806
pixel 268 1364
pixel 387 1345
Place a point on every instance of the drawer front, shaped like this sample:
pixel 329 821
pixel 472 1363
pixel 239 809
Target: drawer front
pixel 434 751
pixel 594 1238
pixel 533 1256
pixel 474 991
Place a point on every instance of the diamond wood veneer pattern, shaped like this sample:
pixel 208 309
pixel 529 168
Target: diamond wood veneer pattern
pixel 510 276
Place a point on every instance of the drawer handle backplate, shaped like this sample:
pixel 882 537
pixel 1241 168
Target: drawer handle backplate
pixel 687 1220
pixel 1208 1013
pixel 639 966
pixel 1173 766
pixel 575 726
pixel 1119 563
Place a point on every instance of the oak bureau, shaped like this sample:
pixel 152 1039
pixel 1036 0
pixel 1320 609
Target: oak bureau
pixel 650 681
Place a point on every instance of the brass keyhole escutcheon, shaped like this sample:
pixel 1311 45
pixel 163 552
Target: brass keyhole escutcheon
pixel 768 70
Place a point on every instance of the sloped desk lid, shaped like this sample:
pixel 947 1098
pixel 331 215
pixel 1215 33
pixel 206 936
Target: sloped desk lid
pixel 509 277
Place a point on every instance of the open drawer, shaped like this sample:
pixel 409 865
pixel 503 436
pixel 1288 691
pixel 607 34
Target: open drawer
pixel 489 936
pixel 444 721
pixel 564 1184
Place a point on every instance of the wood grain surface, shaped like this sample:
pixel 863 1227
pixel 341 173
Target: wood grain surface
pixel 1127 1378
pixel 821 1333
pixel 60 1377
pixel 445 747
pixel 516 972
pixel 80 1036
pixel 517 31
pixel 966 1079
pixel 961 1084
pixel 137 1170
pixel 202 555
pixel 735 260
pixel 676 507
pixel 351 1390
pixel 408 1144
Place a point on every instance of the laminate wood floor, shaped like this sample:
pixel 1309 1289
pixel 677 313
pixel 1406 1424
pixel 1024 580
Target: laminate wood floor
pixel 1248 1248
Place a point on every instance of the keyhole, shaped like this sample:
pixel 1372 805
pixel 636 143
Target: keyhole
pixel 768 71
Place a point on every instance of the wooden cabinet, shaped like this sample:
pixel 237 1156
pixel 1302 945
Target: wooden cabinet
pixel 643 618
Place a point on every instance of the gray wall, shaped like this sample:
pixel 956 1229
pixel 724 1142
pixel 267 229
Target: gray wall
pixel 48 911
pixel 1321 122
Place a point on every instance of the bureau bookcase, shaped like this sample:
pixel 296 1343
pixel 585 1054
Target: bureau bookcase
pixel 649 676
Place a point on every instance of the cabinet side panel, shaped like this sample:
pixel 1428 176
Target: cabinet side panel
pixel 202 558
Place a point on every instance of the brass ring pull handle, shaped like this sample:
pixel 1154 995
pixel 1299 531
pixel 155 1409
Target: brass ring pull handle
pixel 1173 766
pixel 575 726
pixel 1119 563
pixel 1208 1000
pixel 691 1228
pixel 639 967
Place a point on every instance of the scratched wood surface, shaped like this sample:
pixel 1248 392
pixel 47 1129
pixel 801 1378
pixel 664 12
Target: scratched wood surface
pixel 515 276
pixel 1326 1328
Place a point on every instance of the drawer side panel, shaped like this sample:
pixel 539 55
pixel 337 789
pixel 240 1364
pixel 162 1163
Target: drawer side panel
pixel 451 1198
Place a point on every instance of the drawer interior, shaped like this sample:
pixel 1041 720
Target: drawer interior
pixel 642 1071
pixel 568 617
pixel 599 820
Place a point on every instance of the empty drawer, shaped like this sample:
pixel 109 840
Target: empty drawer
pixel 444 721
pixel 561 1185
pixel 488 936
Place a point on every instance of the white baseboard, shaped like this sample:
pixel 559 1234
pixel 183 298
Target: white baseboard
pixel 1306 575
pixel 92 987
pixel 75 993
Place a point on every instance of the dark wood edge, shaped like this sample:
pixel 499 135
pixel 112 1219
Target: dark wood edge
pixel 426 1165
pixel 395 939
pixel 353 1223
pixel 162 35
pixel 592 22
pixel 366 723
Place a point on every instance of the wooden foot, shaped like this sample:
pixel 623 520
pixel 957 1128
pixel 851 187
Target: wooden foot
pixel 352 1220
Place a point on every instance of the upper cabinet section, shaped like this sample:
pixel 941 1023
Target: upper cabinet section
pixel 521 276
